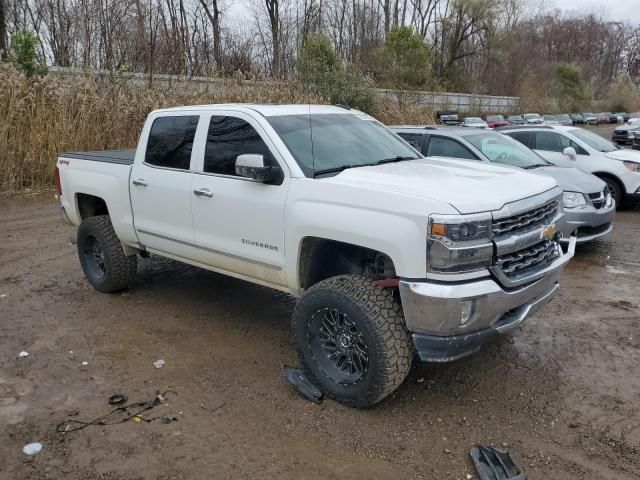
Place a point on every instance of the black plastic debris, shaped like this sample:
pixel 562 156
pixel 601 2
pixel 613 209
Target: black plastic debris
pixel 492 464
pixel 117 399
pixel 303 385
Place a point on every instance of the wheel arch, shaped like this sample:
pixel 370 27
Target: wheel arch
pixel 90 205
pixel 321 258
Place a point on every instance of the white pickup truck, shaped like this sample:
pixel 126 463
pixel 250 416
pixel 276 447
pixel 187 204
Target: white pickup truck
pixel 390 254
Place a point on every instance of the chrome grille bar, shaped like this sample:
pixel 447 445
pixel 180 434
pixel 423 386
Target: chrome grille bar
pixel 526 220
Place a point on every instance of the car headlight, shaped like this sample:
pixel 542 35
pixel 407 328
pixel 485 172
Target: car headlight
pixel 633 166
pixel 573 199
pixel 458 244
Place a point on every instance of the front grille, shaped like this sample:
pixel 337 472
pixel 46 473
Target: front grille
pixel 598 200
pixel 527 220
pixel 529 258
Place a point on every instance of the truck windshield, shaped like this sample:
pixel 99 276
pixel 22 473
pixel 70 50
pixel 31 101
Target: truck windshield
pixel 503 149
pixel 339 141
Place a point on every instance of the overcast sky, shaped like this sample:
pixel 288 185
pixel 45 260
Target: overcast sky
pixel 620 10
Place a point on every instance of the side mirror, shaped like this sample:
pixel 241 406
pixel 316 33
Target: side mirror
pixel 251 165
pixel 570 152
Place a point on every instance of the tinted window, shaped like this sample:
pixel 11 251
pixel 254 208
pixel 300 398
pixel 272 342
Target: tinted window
pixel 549 141
pixel 522 137
pixel 554 142
pixel 413 139
pixel 227 138
pixel 170 142
pixel 445 147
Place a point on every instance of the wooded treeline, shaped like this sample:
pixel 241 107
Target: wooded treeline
pixel 500 47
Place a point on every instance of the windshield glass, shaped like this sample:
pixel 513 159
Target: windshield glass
pixel 514 117
pixel 505 150
pixel 593 140
pixel 497 118
pixel 473 120
pixel 564 116
pixel 532 116
pixel 338 140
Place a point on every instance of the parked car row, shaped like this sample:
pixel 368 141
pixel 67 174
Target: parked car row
pixel 566 119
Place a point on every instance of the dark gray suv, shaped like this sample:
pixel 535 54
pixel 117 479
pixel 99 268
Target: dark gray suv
pixel 588 205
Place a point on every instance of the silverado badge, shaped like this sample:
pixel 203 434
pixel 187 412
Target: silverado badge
pixel 548 232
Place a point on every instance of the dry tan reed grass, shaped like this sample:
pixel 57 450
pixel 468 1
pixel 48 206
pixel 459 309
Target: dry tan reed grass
pixel 40 118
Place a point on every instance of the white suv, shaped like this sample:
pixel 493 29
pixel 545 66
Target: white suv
pixel 587 151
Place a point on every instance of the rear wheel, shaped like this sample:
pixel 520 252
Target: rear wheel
pixel 352 340
pixel 101 255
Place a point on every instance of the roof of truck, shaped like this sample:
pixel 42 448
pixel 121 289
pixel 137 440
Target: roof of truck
pixel 267 110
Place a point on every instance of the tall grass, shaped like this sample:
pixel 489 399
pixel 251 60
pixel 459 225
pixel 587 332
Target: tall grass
pixel 42 117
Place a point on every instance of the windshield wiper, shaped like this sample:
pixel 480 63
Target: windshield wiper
pixel 340 168
pixel 398 158
pixel 536 165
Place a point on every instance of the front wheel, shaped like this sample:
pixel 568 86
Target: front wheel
pixel 101 255
pixel 352 339
pixel 615 189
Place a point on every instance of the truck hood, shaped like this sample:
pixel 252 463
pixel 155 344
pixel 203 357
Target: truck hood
pixel 467 186
pixel 624 155
pixel 571 179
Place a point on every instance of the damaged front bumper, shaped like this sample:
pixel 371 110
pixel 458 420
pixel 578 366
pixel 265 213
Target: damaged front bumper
pixel 451 320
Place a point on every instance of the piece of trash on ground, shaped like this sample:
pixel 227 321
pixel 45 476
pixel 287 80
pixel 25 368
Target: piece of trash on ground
pixel 3 295
pixel 117 399
pixel 158 363
pixel 84 364
pixel 32 448
pixel 492 464
pixel 303 385
pixel 23 354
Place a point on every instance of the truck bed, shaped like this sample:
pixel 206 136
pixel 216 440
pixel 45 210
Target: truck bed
pixel 124 157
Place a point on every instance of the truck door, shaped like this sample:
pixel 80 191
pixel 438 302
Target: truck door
pixel 160 186
pixel 239 223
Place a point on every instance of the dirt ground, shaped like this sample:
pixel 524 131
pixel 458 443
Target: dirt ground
pixel 562 393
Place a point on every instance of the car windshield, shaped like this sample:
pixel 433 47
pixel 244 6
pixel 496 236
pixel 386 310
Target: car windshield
pixel 549 117
pixel 339 141
pixel 593 140
pixel 563 116
pixel 514 117
pixel 473 120
pixel 634 121
pixel 531 116
pixel 505 150
pixel 496 118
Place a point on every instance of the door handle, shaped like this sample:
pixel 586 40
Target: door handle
pixel 140 182
pixel 203 192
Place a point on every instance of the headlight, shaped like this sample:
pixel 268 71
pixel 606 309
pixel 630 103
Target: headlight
pixel 459 244
pixel 573 199
pixel 633 166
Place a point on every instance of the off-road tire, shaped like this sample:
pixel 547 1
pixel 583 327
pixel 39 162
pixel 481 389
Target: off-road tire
pixel 378 315
pixel 119 270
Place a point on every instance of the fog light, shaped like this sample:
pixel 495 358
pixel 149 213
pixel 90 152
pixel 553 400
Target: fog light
pixel 466 309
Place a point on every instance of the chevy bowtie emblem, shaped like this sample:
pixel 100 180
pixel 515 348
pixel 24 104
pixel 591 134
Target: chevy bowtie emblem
pixel 548 232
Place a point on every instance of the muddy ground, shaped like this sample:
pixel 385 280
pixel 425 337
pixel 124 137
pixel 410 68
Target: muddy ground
pixel 562 393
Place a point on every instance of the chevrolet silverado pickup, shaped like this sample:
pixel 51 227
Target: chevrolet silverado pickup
pixel 390 254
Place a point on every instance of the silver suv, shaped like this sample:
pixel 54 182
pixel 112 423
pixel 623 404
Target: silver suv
pixel 588 205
